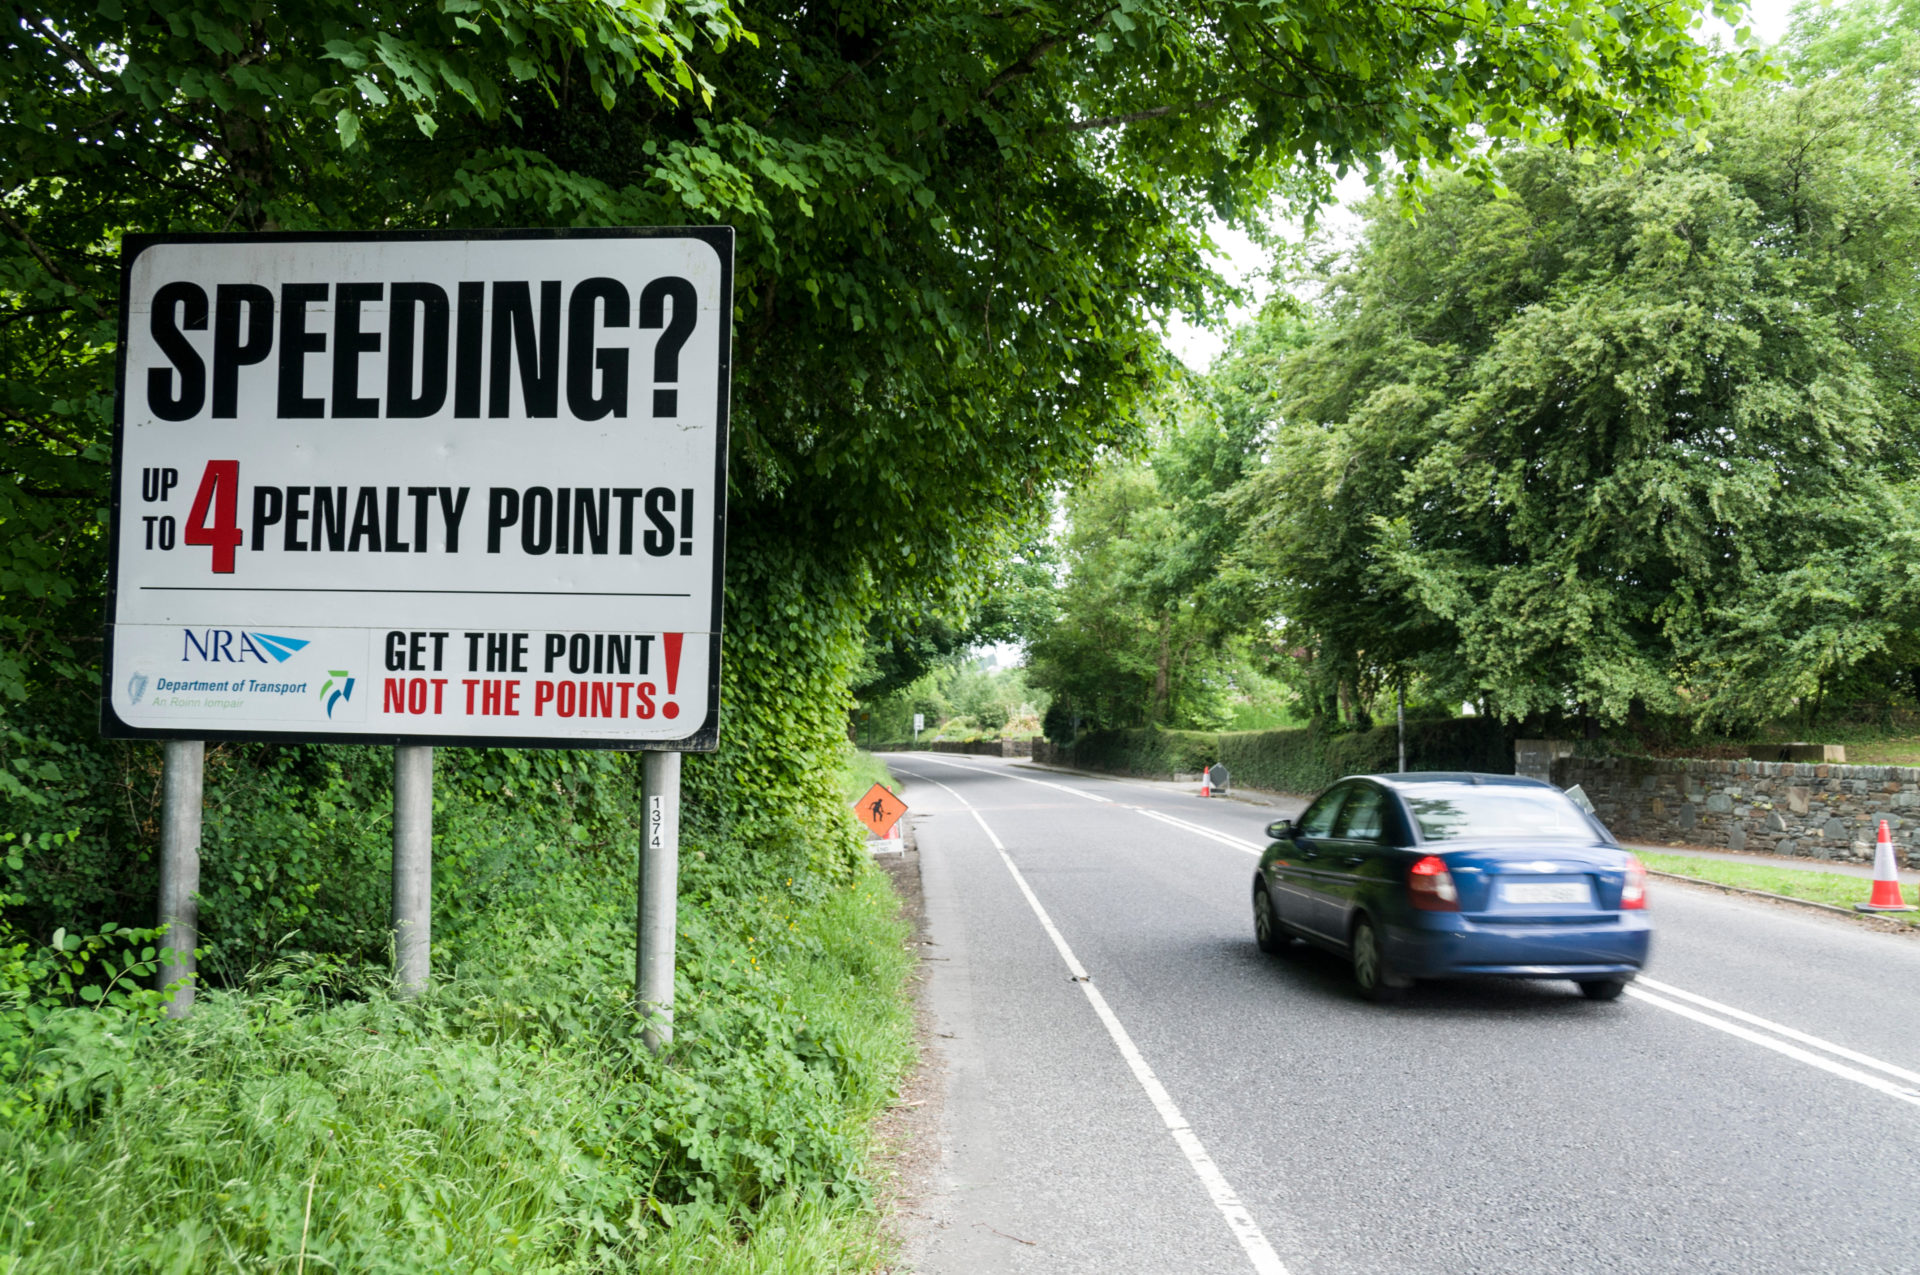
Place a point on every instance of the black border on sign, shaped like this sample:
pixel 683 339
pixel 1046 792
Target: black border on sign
pixel 705 739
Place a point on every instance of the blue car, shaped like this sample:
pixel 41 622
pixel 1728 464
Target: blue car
pixel 1437 875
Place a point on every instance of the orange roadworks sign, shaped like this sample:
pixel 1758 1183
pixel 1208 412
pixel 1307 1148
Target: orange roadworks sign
pixel 879 809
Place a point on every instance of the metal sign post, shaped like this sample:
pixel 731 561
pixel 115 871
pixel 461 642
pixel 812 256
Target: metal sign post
pixel 181 777
pixel 412 869
pixel 422 489
pixel 658 917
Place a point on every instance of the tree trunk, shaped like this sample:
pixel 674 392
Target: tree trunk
pixel 1162 670
pixel 248 141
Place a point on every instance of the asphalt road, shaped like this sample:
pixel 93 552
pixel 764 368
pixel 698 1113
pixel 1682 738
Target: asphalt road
pixel 1195 1106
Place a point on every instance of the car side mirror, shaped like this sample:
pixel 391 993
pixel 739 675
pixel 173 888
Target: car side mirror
pixel 1280 829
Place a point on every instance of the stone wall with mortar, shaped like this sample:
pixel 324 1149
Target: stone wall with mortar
pixel 1802 809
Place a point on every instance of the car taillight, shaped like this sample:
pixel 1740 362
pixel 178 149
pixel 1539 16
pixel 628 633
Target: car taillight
pixel 1431 886
pixel 1633 890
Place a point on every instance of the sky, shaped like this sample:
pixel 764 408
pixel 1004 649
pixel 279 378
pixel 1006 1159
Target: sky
pixel 1242 262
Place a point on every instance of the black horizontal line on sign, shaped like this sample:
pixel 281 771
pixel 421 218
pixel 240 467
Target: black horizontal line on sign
pixel 509 593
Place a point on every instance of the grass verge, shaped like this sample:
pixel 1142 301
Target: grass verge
pixel 1884 752
pixel 863 772
pixel 1833 888
pixel 304 1120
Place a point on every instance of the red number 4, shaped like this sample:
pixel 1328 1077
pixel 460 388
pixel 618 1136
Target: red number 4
pixel 219 495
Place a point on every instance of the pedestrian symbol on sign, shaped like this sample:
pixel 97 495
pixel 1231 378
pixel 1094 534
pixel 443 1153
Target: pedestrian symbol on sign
pixel 879 809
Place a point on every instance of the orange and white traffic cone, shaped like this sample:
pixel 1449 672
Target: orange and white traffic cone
pixel 1206 782
pixel 1886 879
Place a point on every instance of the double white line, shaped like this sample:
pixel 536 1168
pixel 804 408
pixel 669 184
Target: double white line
pixel 1895 1082
pixel 1225 839
pixel 1834 1059
pixel 1904 1085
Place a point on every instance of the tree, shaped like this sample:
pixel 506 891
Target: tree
pixel 957 227
pixel 208 117
pixel 228 116
pixel 902 645
pixel 1119 651
pixel 1626 436
pixel 1151 617
pixel 959 223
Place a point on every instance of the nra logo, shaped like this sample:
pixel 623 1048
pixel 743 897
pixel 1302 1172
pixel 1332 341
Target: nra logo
pixel 232 646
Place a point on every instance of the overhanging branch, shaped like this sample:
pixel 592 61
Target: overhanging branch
pixel 1150 113
pixel 39 254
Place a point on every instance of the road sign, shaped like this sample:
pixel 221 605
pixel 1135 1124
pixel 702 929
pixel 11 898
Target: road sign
pixel 919 722
pixel 422 488
pixel 879 809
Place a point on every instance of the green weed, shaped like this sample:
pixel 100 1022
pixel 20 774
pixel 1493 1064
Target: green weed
pixel 304 1120
pixel 864 770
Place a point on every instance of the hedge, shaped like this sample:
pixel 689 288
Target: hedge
pixel 1299 761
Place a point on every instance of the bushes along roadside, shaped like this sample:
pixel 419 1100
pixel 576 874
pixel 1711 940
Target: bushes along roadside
pixel 1297 761
pixel 509 1121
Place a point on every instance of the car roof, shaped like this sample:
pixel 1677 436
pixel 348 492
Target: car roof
pixel 1454 778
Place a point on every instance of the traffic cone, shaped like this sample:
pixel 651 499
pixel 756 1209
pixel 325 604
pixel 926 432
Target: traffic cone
pixel 1206 782
pixel 1886 879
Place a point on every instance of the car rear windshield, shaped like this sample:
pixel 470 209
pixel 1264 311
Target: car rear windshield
pixel 1455 813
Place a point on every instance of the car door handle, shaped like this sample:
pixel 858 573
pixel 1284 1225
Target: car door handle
pixel 1354 860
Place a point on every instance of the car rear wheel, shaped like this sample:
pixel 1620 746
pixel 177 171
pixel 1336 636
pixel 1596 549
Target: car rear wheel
pixel 1370 972
pixel 1602 989
pixel 1266 928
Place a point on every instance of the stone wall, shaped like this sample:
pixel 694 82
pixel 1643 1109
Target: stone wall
pixel 1534 758
pixel 1802 809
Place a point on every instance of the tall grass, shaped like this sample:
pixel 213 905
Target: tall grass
pixel 304 1120
pixel 864 770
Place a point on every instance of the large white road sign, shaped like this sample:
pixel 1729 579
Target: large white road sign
pixel 422 488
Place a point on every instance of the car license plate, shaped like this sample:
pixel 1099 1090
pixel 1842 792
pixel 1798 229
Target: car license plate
pixel 1544 892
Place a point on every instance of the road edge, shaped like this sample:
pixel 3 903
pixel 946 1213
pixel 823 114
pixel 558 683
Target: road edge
pixel 907 1136
pixel 1872 922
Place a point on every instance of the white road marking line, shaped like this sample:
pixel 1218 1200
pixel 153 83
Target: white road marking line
pixel 1238 843
pixel 981 770
pixel 1223 1194
pixel 1781 1029
pixel 1225 839
pixel 1778 1046
pixel 1239 1220
pixel 1157 787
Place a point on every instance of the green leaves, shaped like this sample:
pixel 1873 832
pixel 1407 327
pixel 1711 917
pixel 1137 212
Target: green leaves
pixel 511 1120
pixel 960 228
pixel 211 115
pixel 76 988
pixel 1612 442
